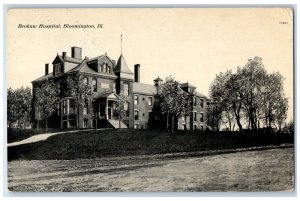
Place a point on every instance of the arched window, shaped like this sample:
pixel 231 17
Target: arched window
pixel 104 67
pixel 126 90
pixel 94 85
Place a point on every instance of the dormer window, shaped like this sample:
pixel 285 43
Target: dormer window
pixel 57 69
pixel 104 68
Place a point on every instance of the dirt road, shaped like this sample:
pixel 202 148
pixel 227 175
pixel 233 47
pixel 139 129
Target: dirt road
pixel 266 170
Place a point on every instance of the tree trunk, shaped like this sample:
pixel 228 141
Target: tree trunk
pixel 238 119
pixel 168 121
pixel 77 116
pixel 239 122
pixel 172 128
pixel 229 120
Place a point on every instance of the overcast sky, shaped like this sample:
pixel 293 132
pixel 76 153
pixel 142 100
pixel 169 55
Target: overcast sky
pixel 191 44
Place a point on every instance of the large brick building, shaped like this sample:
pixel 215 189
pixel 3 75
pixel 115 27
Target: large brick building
pixel 108 79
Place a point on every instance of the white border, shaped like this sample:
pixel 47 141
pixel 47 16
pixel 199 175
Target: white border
pixel 129 3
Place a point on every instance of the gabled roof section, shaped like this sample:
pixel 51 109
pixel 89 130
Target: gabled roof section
pixel 121 66
pixel 57 59
pixel 80 66
pixel 108 95
pixel 141 88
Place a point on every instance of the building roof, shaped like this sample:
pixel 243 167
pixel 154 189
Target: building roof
pixel 73 60
pixel 44 77
pixel 121 66
pixel 68 59
pixel 158 79
pixel 200 95
pixel 141 88
pixel 80 66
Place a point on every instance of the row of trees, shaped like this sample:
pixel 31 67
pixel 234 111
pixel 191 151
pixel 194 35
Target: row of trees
pixel 251 98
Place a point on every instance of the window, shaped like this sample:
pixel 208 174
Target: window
pixel 85 81
pixel 201 117
pixel 71 106
pixel 136 115
pixel 208 104
pixel 126 89
pixel 94 85
pixel 85 111
pixel 109 69
pixel 103 68
pixel 195 116
pixel 201 128
pixel 58 109
pixel 85 123
pixel 57 69
pixel 201 102
pixel 136 126
pixel 136 99
pixel 65 107
pixel 195 127
pixel 150 101
pixel 195 101
pixel 208 117
pixel 114 87
pixel 126 111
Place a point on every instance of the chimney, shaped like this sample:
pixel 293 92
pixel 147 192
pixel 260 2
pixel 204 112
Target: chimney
pixel 76 52
pixel 64 55
pixel 137 72
pixel 46 69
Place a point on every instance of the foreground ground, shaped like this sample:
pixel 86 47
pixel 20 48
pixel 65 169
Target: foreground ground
pixel 265 170
pixel 126 142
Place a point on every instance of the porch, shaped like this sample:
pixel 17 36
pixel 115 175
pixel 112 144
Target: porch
pixel 106 111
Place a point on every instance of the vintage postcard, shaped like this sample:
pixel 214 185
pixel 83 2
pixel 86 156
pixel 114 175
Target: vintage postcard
pixel 150 99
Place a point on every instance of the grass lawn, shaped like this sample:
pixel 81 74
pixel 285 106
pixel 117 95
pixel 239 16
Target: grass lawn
pixel 267 170
pixel 104 143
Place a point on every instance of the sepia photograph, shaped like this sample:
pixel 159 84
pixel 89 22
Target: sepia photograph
pixel 150 99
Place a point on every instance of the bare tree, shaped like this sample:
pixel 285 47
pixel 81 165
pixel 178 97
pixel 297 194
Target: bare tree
pixel 251 94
